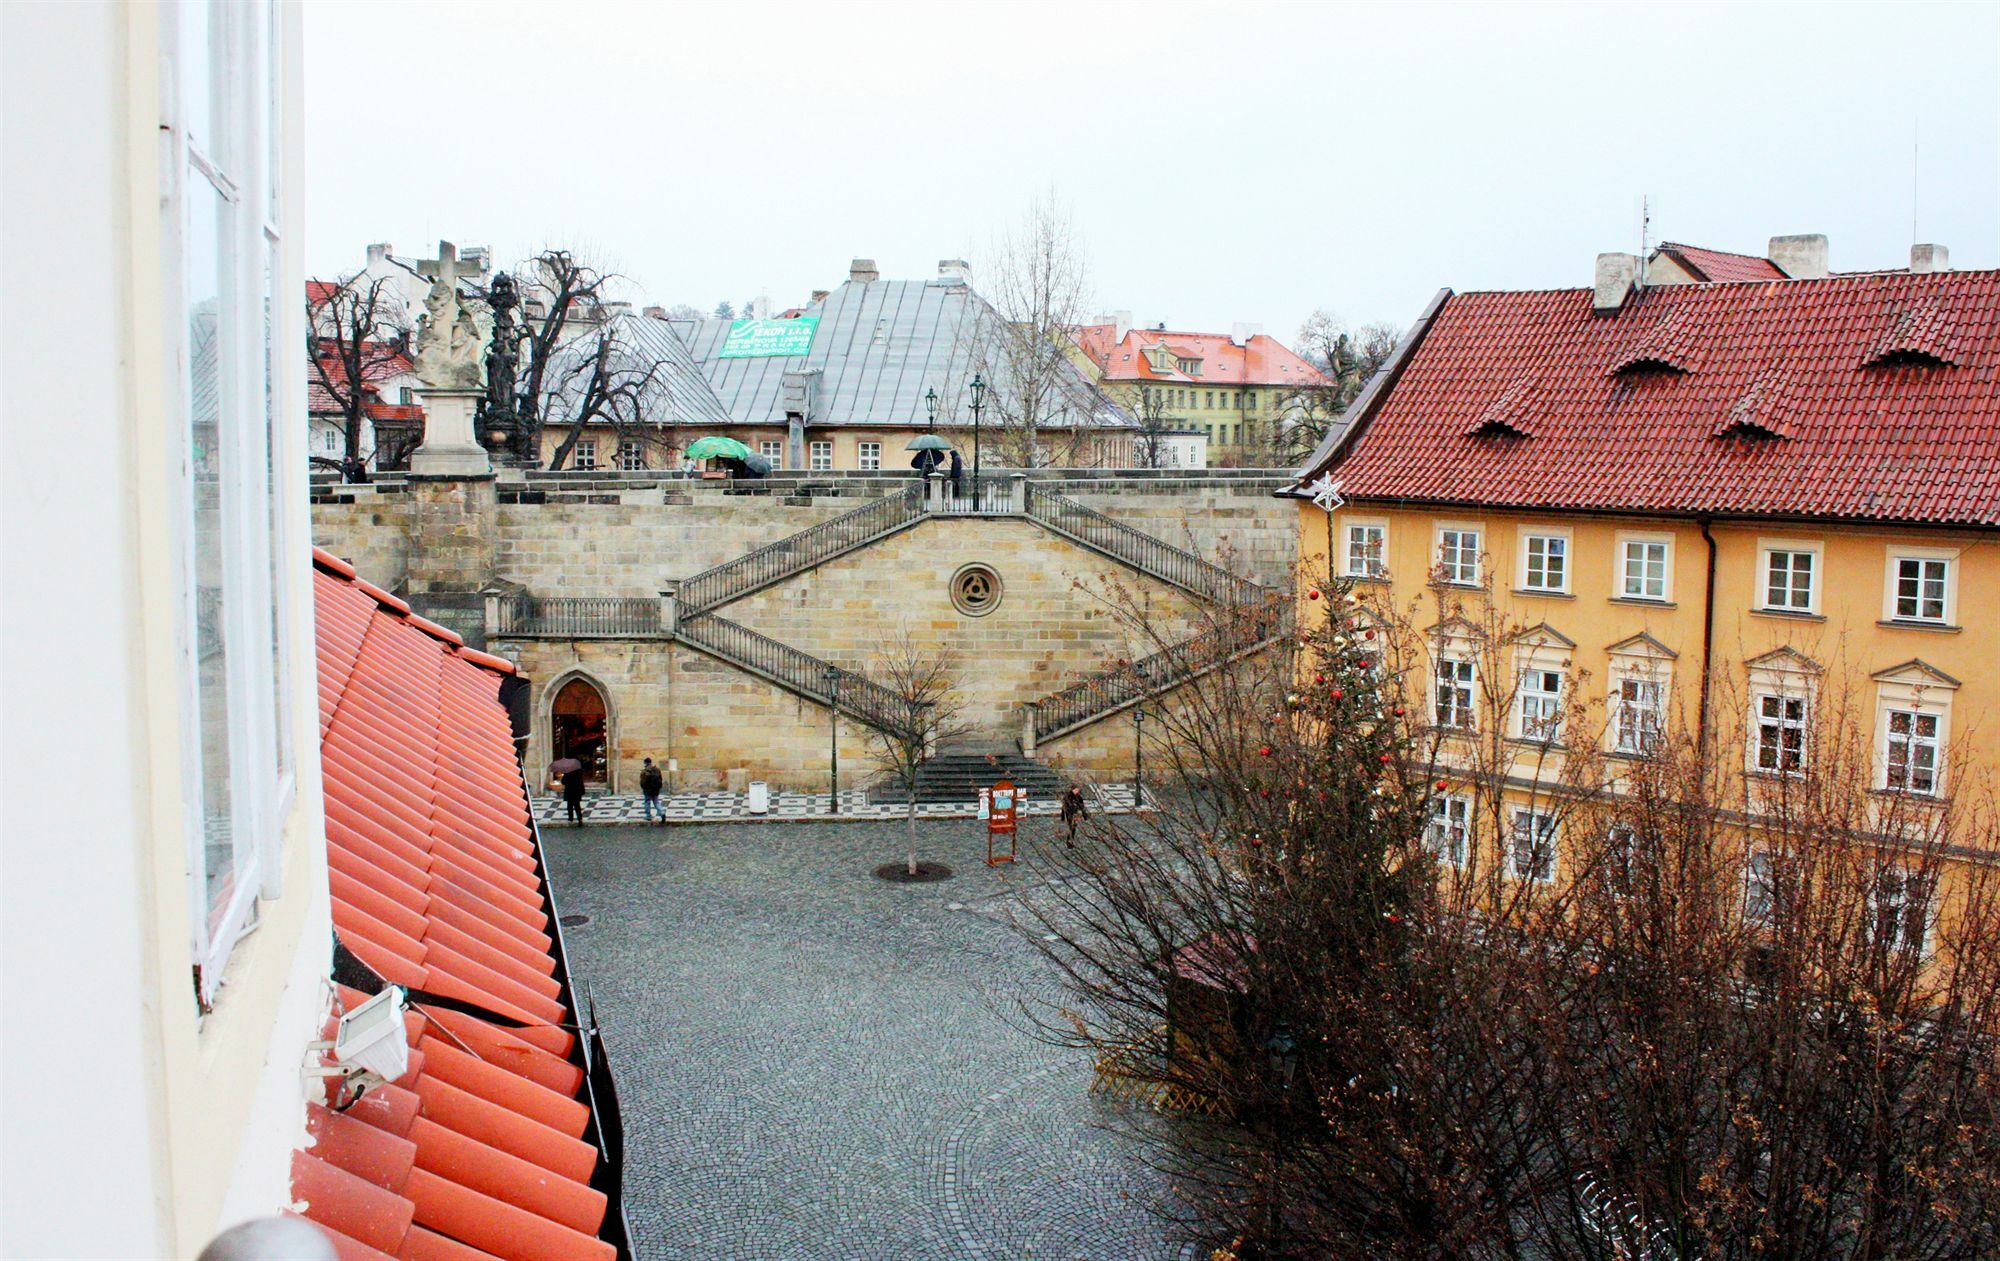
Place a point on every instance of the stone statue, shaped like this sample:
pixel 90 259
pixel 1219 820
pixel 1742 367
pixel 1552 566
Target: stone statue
pixel 448 346
pixel 499 417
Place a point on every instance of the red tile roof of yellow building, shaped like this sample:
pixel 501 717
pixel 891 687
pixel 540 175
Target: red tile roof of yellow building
pixel 1262 360
pixel 1720 266
pixel 1871 397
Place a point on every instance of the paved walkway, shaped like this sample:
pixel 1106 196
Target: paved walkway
pixel 816 1064
pixel 724 806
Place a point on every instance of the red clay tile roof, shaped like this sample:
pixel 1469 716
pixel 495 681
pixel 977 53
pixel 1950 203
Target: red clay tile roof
pixel 1263 360
pixel 375 369
pixel 480 1149
pixel 1719 267
pixel 1870 397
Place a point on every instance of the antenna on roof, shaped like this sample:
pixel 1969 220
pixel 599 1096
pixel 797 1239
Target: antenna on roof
pixel 1645 236
pixel 1916 154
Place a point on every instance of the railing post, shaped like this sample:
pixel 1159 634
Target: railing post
pixel 934 491
pixel 1028 729
pixel 670 609
pixel 1017 492
pixel 492 612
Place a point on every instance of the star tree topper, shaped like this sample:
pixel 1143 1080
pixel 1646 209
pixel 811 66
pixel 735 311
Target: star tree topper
pixel 1326 493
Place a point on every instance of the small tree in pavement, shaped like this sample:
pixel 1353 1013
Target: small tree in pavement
pixel 925 683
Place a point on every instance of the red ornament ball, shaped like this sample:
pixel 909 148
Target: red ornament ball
pixel 1441 785
pixel 1312 593
pixel 1386 757
pixel 1319 678
pixel 1399 711
pixel 1368 634
pixel 1265 751
pixel 1337 693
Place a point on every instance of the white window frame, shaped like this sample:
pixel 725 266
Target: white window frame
pixel 819 456
pixel 1464 681
pixel 1646 734
pixel 1903 907
pixel 584 458
pixel 1892 586
pixel 773 449
pixel 237 164
pixel 631 457
pixel 1567 553
pixel 1912 740
pixel 1760 888
pixel 1354 547
pixel 868 455
pixel 1921 694
pixel 1541 833
pixel 1459 552
pixel 1622 580
pixel 1770 711
pixel 1767 552
pixel 1449 830
pixel 1539 713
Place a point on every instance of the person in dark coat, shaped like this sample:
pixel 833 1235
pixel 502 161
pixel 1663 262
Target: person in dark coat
pixel 650 783
pixel 1073 812
pixel 957 475
pixel 572 782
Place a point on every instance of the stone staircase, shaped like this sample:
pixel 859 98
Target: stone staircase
pixel 810 547
pixel 959 774
pixel 1100 695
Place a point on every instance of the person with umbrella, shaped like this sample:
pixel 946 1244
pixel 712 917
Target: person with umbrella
pixel 570 772
pixel 717 447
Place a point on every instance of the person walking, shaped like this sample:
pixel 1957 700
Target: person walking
pixel 958 476
pixel 1073 812
pixel 650 783
pixel 572 784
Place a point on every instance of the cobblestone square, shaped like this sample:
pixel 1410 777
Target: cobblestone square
pixel 814 1063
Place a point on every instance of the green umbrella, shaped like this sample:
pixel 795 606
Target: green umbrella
pixel 927 442
pixel 715 447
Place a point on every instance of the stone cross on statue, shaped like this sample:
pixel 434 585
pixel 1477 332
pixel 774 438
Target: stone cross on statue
pixel 445 268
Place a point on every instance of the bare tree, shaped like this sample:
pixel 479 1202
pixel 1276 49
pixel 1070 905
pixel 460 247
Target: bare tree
pixel 360 332
pixel 1347 358
pixel 683 313
pixel 1038 287
pixel 556 289
pixel 925 683
pixel 601 382
pixel 1651 1008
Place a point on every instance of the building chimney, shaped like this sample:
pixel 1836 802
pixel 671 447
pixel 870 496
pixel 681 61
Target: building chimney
pixel 862 272
pixel 1122 324
pixel 955 269
pixel 1617 274
pixel 819 295
pixel 379 252
pixel 654 312
pixel 1240 334
pixel 1801 257
pixel 1929 258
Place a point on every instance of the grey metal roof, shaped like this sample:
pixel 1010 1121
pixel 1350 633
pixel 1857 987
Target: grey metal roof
pixel 880 346
pixel 677 395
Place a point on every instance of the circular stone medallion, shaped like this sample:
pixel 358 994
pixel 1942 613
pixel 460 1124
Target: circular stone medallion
pixel 975 590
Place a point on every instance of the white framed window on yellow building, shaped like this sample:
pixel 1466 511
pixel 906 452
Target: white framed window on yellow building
pixel 773 449
pixel 819 457
pixel 868 455
pixel 1782 689
pixel 1900 909
pixel 1449 833
pixel 1922 586
pixel 1531 845
pixel 1365 547
pixel 1458 553
pixel 1639 686
pixel 1788 575
pixel 1545 560
pixel 1912 728
pixel 1645 567
pixel 1453 679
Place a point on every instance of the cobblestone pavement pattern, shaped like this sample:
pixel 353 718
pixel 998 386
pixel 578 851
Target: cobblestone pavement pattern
pixel 813 1063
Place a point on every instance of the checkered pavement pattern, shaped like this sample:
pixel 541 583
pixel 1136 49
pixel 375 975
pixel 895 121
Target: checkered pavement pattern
pixel 711 807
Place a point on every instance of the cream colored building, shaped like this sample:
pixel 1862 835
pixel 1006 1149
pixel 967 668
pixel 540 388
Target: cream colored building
pixel 165 925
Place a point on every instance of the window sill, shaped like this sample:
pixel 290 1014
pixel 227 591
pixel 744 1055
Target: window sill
pixel 1380 580
pixel 1899 623
pixel 1546 595
pixel 1789 615
pixel 1627 755
pixel 1914 798
pixel 1644 602
pixel 1540 746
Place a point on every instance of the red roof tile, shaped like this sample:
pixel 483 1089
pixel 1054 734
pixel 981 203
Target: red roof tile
pixel 379 365
pixel 478 1151
pixel 1867 397
pixel 1262 360
pixel 1720 267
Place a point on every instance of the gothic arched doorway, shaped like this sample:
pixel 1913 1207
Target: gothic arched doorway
pixel 578 729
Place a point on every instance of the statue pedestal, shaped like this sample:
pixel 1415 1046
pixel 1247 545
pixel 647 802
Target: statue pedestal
pixel 450 448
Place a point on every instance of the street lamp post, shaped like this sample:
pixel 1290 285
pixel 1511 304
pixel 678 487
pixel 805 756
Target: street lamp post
pixel 1283 1051
pixel 1138 756
pixel 833 737
pixel 930 405
pixel 978 406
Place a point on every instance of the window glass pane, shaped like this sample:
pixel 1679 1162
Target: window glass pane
pixel 208 368
pixel 196 55
pixel 277 471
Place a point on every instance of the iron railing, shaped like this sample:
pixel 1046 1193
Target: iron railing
pixel 985 497
pixel 802 673
pixel 1092 698
pixel 579 617
pixel 1142 551
pixel 809 547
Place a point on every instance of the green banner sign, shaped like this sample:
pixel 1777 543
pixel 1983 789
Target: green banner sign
pixel 763 339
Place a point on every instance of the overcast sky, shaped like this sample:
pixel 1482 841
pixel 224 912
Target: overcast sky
pixel 1223 162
